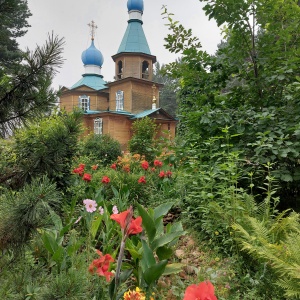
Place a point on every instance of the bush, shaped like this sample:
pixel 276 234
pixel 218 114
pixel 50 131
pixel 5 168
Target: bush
pixel 47 148
pixel 142 141
pixel 102 149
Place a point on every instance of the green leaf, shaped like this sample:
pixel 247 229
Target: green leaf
pixel 58 255
pixel 162 209
pixel 164 252
pixel 166 239
pixel 95 225
pixel 154 272
pixel 148 259
pixel 173 268
pixel 148 222
pixel 49 242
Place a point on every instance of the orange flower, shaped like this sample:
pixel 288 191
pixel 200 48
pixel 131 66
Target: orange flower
pixel 126 168
pixel 203 291
pixel 100 266
pixel 128 224
pixel 134 295
pixel 94 167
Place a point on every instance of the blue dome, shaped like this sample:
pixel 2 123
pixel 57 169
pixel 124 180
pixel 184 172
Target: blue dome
pixel 135 5
pixel 92 56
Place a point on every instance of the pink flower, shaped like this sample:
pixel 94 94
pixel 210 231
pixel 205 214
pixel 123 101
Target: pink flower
pixel 101 210
pixel 90 205
pixel 115 210
pixel 105 180
pixel 142 179
pixel 87 177
pixel 145 165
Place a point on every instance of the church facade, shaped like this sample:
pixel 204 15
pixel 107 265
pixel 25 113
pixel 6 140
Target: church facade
pixel 112 107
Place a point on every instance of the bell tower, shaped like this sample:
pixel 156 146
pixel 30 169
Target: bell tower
pixel 134 58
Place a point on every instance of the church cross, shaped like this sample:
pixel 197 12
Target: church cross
pixel 93 28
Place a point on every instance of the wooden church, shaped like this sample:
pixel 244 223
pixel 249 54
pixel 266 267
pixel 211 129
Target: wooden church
pixel 111 108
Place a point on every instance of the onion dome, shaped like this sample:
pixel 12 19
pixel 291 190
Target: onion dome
pixel 92 56
pixel 135 5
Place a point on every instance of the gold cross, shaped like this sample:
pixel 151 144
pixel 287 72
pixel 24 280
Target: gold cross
pixel 93 28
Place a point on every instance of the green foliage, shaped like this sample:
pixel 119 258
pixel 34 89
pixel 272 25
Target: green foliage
pixel 167 94
pixel 13 21
pixel 249 85
pixel 103 149
pixel 142 141
pixel 26 92
pixel 276 242
pixel 23 213
pixel 47 148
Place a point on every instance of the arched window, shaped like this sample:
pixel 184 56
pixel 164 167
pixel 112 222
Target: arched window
pixel 120 70
pixel 145 70
pixel 98 126
pixel 119 100
pixel 84 102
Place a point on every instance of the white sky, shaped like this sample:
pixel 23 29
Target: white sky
pixel 69 19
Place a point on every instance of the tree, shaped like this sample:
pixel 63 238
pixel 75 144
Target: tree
pixel 251 85
pixel 167 97
pixel 13 21
pixel 25 91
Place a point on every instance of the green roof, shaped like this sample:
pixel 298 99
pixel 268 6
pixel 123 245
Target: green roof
pixel 134 39
pixel 95 82
pixel 145 113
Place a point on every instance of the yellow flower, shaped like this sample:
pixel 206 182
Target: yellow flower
pixel 134 295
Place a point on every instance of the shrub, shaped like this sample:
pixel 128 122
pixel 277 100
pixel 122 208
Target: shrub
pixel 142 141
pixel 101 148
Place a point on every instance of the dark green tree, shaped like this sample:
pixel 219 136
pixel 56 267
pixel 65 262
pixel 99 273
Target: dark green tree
pixel 251 85
pixel 25 91
pixel 13 24
pixel 167 96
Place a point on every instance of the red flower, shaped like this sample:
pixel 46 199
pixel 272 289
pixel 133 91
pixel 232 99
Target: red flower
pixel 87 177
pixel 168 174
pixel 114 166
pixel 145 165
pixel 82 166
pixel 161 174
pixel 101 265
pixel 105 180
pixel 128 224
pixel 142 179
pixel 157 163
pixel 78 171
pixel 95 167
pixel 203 291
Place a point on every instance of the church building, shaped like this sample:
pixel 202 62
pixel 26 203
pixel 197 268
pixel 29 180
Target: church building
pixel 112 107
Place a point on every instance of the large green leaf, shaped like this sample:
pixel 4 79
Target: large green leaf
pixel 173 268
pixel 148 222
pixel 162 209
pixel 148 259
pixel 154 272
pixel 166 239
pixel 49 242
pixel 95 226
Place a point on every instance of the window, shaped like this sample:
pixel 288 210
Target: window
pixel 98 126
pixel 119 100
pixel 84 102
pixel 145 70
pixel 120 70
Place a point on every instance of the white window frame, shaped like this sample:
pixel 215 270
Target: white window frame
pixel 119 100
pixel 84 102
pixel 98 126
